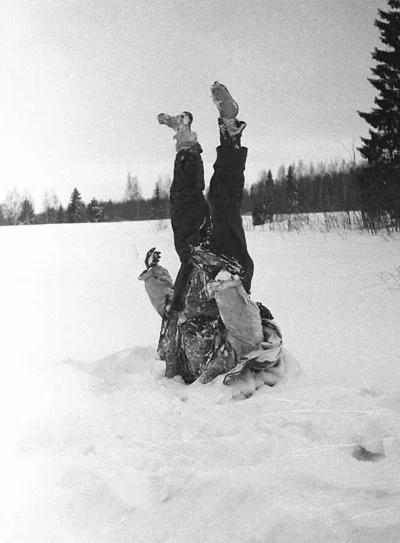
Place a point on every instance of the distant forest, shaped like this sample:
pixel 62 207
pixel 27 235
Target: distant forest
pixel 296 189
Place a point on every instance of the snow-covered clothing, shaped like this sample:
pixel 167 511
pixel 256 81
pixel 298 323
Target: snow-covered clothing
pixel 210 325
pixel 219 329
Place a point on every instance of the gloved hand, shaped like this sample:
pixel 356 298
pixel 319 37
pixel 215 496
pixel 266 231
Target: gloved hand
pixel 152 258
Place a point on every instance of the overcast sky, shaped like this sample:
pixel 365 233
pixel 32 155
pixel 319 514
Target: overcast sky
pixel 83 80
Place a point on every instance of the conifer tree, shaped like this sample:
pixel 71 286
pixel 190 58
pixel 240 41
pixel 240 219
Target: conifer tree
pixel 292 199
pixel 259 196
pixel 76 208
pixel 280 202
pixel 257 214
pixel 156 201
pixel 60 217
pixel 269 197
pixel 27 213
pixel 291 192
pixel 383 144
pixel 95 211
pixel 262 195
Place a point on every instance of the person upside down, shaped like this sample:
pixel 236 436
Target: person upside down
pixel 210 325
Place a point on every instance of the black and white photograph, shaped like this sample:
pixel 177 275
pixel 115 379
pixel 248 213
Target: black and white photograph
pixel 200 271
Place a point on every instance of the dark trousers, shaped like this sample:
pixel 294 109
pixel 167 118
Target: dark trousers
pixel 190 211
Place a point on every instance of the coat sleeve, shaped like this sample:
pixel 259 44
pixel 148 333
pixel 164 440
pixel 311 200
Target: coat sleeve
pixel 158 284
pixel 240 315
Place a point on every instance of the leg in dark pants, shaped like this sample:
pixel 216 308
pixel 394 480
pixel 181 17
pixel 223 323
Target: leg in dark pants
pixel 225 196
pixel 189 211
pixel 188 207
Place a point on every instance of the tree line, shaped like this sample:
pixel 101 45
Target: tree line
pixel 19 208
pixel 305 189
pixel 295 189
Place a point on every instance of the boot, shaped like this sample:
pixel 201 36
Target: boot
pixel 181 124
pixel 227 106
pixel 230 128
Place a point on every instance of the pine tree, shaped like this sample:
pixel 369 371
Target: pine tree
pixel 76 208
pixel 60 217
pixel 280 203
pixel 383 145
pixel 269 197
pixel 262 196
pixel 156 201
pixel 257 214
pixel 292 199
pixel 257 195
pixel 95 211
pixel 27 213
pixel 291 192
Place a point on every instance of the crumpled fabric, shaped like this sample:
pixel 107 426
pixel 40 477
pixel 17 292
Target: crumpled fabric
pixel 266 356
pixel 194 345
pixel 219 330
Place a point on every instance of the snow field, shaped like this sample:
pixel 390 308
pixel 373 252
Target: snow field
pixel 100 447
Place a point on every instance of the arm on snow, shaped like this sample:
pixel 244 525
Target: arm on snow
pixel 158 284
pixel 239 313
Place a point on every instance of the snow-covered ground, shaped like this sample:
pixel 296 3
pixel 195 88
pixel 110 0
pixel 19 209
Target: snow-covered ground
pixel 98 447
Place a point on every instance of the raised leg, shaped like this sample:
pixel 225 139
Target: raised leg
pixel 227 183
pixel 189 211
pixel 188 208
